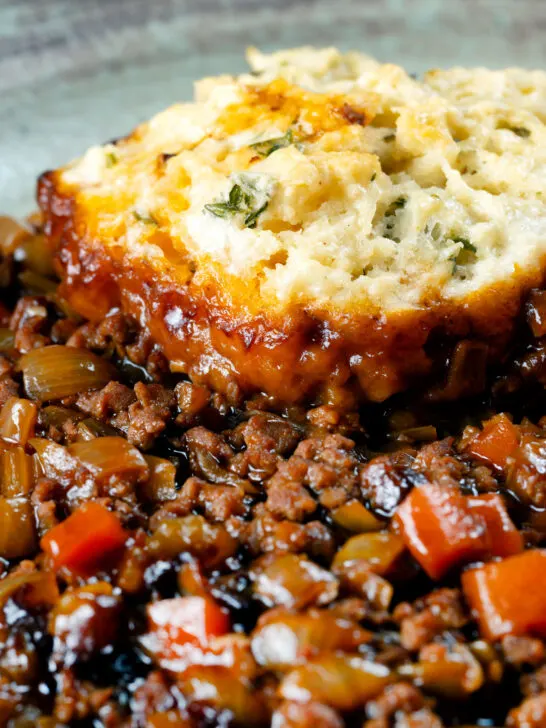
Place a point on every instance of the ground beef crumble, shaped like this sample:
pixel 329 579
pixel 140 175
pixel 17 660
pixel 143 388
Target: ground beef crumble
pixel 251 566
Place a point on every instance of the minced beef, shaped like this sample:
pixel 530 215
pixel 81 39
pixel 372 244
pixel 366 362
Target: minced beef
pixel 170 556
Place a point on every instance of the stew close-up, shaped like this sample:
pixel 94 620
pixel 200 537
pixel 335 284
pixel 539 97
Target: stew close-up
pixel 173 557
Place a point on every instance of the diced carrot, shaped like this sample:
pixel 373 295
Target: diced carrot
pixel 503 538
pixel 84 539
pixel 509 597
pixel 496 442
pixel 185 620
pixel 440 529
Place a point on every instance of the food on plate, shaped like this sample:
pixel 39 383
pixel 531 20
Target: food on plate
pixel 205 518
pixel 325 228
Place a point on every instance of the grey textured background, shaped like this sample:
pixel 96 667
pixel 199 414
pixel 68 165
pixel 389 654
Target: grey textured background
pixel 75 72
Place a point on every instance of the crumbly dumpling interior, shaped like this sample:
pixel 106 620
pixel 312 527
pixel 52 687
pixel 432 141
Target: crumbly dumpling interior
pixel 331 181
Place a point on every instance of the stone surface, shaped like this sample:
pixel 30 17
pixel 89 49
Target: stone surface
pixel 76 72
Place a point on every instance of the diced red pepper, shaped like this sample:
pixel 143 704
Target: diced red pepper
pixel 440 529
pixel 185 620
pixel 503 538
pixel 509 597
pixel 496 442
pixel 84 539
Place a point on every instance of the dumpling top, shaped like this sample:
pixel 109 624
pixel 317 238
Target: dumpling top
pixel 335 180
pixel 332 187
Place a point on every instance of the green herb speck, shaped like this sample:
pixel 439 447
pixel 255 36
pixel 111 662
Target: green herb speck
pixel 436 231
pixel 467 245
pixel 395 205
pixel 465 255
pixel 390 218
pixel 237 201
pixel 147 219
pixel 267 147
pixel 111 159
pixel 520 131
pixel 242 198
pixel 252 218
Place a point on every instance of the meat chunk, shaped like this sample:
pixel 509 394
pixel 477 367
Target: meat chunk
pixel 28 321
pixel 523 650
pixel 289 499
pixel 146 418
pixel 265 534
pixel 530 714
pixel 191 399
pixel 305 715
pixel 111 400
pixel 526 470
pixel 403 698
pixel 385 480
pixel 400 706
pixel 218 502
pixel 439 611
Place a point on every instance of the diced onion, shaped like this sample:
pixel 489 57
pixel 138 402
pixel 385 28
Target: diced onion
pixel 55 372
pixel 210 543
pixel 293 581
pixel 17 420
pixel 17 530
pixel 35 253
pixel 16 473
pixel 7 340
pixel 107 456
pixel 54 460
pixel 536 312
pixel 451 673
pixel 466 373
pixel 289 639
pixel 36 284
pixel 11 583
pixel 380 550
pixel 89 429
pixel 56 416
pixel 425 433
pixel 11 234
pixel 40 587
pixel 354 516
pixel 343 682
pixel 226 692
pixel 161 485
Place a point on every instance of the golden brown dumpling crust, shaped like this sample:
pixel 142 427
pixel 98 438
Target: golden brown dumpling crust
pixel 302 231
